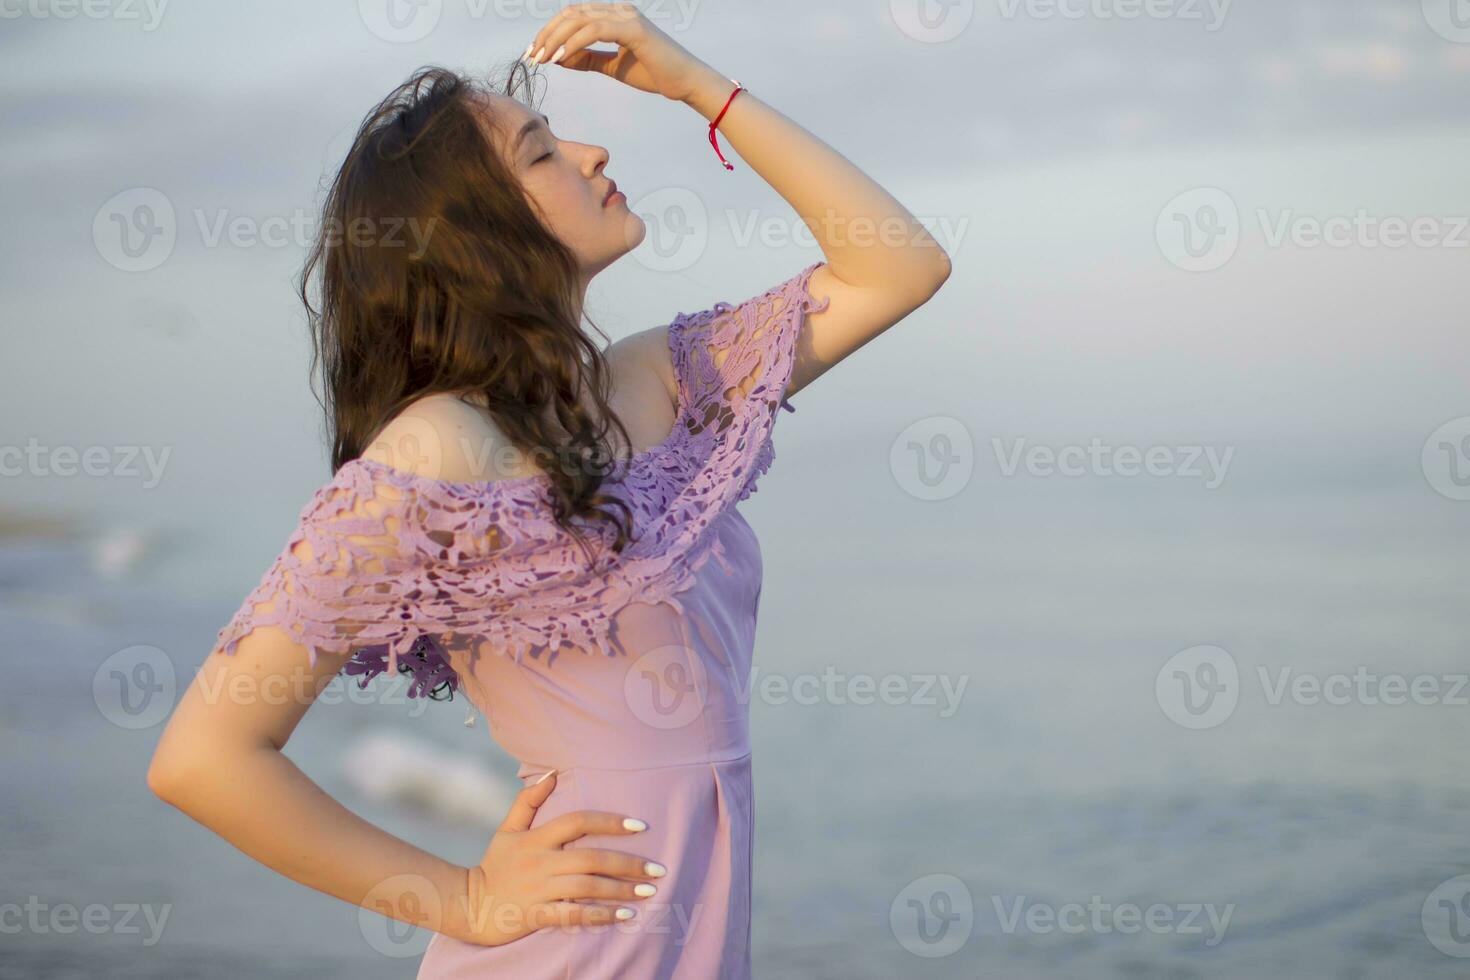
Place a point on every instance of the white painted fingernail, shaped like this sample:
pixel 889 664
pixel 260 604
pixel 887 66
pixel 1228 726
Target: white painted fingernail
pixel 536 60
pixel 544 776
pixel 633 823
pixel 527 53
pixel 645 889
pixel 623 912
pixel 557 57
pixel 654 869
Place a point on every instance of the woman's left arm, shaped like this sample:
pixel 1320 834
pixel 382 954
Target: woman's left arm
pixel 881 264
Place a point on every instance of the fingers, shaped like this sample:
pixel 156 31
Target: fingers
pixel 569 826
pixel 602 62
pixel 573 913
pixel 574 54
pixel 597 886
pixel 613 22
pixel 523 810
pixel 600 861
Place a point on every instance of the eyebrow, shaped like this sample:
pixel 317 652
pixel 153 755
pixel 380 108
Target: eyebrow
pixel 541 118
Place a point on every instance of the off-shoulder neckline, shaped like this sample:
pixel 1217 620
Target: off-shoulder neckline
pixel 532 480
pixel 540 481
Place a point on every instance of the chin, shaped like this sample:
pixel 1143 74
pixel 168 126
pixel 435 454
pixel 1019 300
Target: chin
pixel 634 231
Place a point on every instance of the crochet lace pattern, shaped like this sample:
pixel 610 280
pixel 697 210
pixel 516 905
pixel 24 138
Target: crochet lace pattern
pixel 384 563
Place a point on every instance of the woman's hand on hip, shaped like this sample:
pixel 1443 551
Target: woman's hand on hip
pixel 647 58
pixel 529 880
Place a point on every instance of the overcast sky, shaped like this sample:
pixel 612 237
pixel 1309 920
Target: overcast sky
pixel 1045 143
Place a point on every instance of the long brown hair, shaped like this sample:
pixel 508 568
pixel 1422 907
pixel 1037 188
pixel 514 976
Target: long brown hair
pixel 437 275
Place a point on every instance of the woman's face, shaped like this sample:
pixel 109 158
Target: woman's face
pixel 567 186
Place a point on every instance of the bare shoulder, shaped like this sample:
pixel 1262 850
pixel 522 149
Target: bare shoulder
pixel 444 437
pixel 646 352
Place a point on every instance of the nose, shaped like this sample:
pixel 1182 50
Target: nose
pixel 599 158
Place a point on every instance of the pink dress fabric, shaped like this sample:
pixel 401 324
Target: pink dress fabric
pixel 629 674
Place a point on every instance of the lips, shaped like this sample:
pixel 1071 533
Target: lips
pixel 611 190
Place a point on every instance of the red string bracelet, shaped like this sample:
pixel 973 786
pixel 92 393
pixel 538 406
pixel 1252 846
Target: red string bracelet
pixel 714 142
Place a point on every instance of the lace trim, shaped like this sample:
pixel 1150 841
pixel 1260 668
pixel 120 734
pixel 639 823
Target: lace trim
pixel 386 564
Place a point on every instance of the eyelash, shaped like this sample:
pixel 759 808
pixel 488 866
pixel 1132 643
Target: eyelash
pixel 540 158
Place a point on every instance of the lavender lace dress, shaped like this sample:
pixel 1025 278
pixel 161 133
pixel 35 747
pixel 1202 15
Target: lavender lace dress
pixel 628 676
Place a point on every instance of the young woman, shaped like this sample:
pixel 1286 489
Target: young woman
pixel 549 527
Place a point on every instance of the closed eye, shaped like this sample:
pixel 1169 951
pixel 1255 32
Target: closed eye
pixel 546 156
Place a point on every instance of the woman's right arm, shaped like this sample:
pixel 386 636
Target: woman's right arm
pixel 220 758
pixel 220 761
